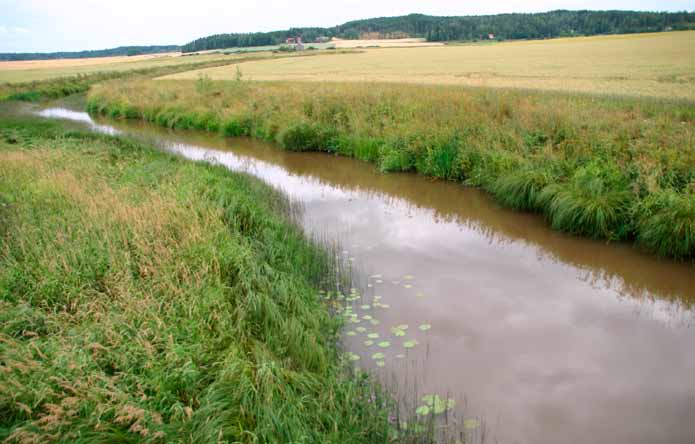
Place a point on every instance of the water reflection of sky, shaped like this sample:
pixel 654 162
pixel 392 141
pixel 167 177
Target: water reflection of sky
pixel 547 346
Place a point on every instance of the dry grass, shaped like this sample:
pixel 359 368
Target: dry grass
pixel 655 65
pixel 37 70
pixel 383 43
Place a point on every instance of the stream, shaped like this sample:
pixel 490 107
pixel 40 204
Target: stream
pixel 539 337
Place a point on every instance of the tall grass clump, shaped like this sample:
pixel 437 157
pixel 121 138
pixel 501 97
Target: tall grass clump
pixel 587 163
pixel 667 224
pixel 595 202
pixel 144 298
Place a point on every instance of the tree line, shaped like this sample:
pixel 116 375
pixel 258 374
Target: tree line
pixel 468 28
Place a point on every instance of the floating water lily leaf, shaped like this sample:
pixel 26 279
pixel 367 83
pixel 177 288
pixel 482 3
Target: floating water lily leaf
pixel 375 276
pixel 410 344
pixel 384 344
pixel 407 286
pixel 378 355
pixel 402 327
pixel 373 335
pixel 384 306
pixel 374 321
pixel 352 356
pixel 400 356
pixel 351 333
pixel 377 297
pixel 366 317
pixel 360 329
pixel 355 321
pixel 397 331
pixel 365 307
pixel 470 424
pixel 368 342
pixel 380 363
pixel 423 410
pixel 425 327
pixel 437 404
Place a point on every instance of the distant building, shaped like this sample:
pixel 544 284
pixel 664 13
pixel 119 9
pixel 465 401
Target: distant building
pixel 295 42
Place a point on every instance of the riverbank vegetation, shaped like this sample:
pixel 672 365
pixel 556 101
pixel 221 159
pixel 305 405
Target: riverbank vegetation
pixel 145 298
pixel 607 168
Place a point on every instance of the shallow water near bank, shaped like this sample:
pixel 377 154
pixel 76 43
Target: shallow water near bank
pixel 546 337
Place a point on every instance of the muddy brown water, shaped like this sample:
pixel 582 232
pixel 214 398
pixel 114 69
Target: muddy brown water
pixel 542 337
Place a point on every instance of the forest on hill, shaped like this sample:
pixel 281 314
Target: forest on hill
pixel 112 52
pixel 551 24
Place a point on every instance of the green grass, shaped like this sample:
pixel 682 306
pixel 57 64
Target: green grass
pixel 589 164
pixel 145 298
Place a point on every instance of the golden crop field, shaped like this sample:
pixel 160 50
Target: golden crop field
pixel 33 70
pixel 657 65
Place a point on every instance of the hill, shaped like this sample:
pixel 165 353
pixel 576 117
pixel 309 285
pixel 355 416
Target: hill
pixel 551 24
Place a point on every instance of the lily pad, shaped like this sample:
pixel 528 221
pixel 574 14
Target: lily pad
pixel 410 344
pixel 378 355
pixel 423 410
pixel 376 276
pixel 365 307
pixel 400 356
pixel 368 342
pixel 351 333
pixel 437 404
pixel 425 327
pixel 470 424
pixel 384 344
pixel 380 363
pixel 408 277
pixel 402 327
pixel 407 286
pixel 374 321
pixel 373 335
pixel 397 332
pixel 367 317
pixel 352 356
pixel 360 329
pixel 384 306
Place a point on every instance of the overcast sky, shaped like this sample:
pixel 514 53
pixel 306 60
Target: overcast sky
pixel 73 25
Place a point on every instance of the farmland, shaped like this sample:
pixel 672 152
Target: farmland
pixel 38 70
pixel 655 65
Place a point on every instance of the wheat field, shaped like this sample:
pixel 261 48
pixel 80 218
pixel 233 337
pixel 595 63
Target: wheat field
pixel 37 70
pixel 654 65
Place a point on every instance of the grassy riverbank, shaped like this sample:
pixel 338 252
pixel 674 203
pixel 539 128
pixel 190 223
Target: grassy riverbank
pixel 607 168
pixel 145 298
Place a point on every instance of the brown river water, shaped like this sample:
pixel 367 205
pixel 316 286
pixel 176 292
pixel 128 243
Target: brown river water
pixel 540 337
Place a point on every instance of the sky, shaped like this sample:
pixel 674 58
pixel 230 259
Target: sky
pixel 74 25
